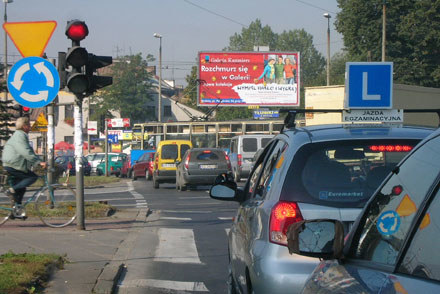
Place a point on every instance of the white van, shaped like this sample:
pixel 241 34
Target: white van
pixel 242 150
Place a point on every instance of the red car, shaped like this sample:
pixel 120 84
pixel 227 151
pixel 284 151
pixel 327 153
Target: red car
pixel 143 167
pixel 126 168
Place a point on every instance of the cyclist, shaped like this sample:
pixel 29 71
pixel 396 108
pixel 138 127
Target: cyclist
pixel 18 157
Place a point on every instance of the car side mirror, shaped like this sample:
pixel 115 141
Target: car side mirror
pixel 177 162
pixel 224 188
pixel 322 238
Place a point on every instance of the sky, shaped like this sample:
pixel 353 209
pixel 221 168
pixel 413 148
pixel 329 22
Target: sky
pixel 123 27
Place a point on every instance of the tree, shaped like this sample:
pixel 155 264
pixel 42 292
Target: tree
pixel 254 35
pixel 130 91
pixel 412 42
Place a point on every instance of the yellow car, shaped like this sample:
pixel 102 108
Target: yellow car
pixel 167 153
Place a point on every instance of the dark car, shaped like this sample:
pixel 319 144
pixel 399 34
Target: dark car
pixel 143 167
pixel 68 164
pixel 200 166
pixel 304 173
pixel 393 246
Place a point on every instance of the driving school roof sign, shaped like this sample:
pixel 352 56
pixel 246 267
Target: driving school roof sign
pixel 248 78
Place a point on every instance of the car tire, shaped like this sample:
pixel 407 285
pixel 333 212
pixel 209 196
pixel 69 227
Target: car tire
pixel 149 177
pixel 236 177
pixel 155 184
pixel 183 187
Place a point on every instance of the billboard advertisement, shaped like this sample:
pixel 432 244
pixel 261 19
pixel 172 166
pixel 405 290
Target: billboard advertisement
pixel 248 78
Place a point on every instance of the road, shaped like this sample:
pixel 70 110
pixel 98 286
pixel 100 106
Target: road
pixel 183 246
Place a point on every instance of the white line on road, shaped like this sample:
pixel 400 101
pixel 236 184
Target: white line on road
pixel 186 211
pixel 193 204
pixel 225 218
pixel 201 197
pixel 176 246
pixel 227 231
pixel 163 284
pixel 176 218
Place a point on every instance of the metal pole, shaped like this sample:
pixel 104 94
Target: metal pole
pixel 50 138
pixel 5 20
pixel 106 149
pixel 88 119
pixel 384 22
pixel 159 111
pixel 328 53
pixel 78 164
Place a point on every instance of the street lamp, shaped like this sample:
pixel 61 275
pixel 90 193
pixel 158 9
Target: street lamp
pixel 328 16
pixel 5 20
pixel 159 104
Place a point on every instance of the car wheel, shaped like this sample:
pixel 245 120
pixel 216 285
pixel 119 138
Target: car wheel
pixel 149 177
pixel 155 183
pixel 183 187
pixel 236 177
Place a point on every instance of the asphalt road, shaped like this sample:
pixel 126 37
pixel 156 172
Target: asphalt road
pixel 183 246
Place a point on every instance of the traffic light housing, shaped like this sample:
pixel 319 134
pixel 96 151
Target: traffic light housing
pixel 77 67
pixel 21 111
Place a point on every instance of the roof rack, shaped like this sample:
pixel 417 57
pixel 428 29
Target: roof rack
pixel 289 121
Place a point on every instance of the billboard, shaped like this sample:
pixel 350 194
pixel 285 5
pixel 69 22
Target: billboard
pixel 248 78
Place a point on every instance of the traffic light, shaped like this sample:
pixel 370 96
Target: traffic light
pixel 77 67
pixel 21 111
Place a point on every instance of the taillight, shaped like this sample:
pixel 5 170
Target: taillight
pixel 240 159
pixel 228 161
pixel 156 163
pixel 391 148
pixel 283 214
pixel 111 168
pixel 187 161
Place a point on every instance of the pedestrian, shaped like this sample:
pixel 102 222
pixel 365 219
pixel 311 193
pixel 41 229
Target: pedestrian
pixel 18 157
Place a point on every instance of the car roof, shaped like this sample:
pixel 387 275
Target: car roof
pixel 353 132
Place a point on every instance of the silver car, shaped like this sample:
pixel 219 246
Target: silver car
pixel 327 171
pixel 393 246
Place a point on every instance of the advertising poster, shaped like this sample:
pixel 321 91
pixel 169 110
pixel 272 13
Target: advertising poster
pixel 249 78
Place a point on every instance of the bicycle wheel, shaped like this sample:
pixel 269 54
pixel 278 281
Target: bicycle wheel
pixel 56 205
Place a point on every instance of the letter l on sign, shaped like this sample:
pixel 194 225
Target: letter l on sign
pixel 365 95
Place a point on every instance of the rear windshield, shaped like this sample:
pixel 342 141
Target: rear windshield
pixel 264 142
pixel 208 156
pixel 169 151
pixel 342 174
pixel 183 149
pixel 250 145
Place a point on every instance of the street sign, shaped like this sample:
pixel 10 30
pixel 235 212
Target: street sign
pixel 30 38
pixel 266 113
pixel 113 138
pixel 118 123
pixel 92 127
pixel 369 85
pixel 370 115
pixel 33 82
pixel 40 125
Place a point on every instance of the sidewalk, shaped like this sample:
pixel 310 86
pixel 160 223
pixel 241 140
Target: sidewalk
pixel 96 255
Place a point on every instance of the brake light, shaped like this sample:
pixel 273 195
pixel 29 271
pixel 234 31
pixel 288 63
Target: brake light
pixel 283 214
pixel 187 161
pixel 240 159
pixel 391 148
pixel 111 168
pixel 228 161
pixel 156 163
pixel 397 190
pixel 206 151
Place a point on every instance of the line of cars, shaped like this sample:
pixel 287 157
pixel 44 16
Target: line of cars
pixel 330 173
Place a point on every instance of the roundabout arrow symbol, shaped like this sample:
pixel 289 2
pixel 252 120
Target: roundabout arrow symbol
pixel 42 95
pixel 41 68
pixel 17 83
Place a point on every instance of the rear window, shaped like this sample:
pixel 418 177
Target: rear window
pixel 169 151
pixel 250 145
pixel 343 173
pixel 264 142
pixel 207 156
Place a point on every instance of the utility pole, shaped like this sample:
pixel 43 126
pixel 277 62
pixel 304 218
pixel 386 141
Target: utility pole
pixel 384 25
pixel 328 16
pixel 159 104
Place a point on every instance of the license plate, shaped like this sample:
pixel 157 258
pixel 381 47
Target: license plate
pixel 168 165
pixel 208 166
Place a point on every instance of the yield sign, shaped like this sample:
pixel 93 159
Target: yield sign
pixel 30 38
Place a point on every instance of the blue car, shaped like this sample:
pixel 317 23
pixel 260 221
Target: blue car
pixel 393 245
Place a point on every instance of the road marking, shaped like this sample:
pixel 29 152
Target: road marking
pixel 186 211
pixel 177 218
pixel 194 204
pixel 227 231
pixel 177 246
pixel 163 284
pixel 225 218
pixel 200 197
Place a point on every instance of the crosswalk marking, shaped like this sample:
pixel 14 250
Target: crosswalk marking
pixel 177 246
pixel 164 284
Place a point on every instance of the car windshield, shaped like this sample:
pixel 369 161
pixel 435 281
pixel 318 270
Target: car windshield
pixel 342 174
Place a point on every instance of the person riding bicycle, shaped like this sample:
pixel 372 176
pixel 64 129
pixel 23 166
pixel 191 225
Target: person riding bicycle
pixel 18 157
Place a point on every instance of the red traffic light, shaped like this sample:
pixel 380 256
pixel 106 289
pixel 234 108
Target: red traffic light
pixel 76 30
pixel 26 109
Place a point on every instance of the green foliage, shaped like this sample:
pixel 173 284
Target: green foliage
pixel 412 36
pixel 129 93
pixel 252 36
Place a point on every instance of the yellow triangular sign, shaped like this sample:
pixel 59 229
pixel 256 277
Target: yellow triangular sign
pixel 40 125
pixel 41 120
pixel 30 38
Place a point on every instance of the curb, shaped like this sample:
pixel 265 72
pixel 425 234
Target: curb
pixel 108 278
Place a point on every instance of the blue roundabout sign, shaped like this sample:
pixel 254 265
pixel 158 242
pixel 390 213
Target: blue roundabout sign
pixel 33 82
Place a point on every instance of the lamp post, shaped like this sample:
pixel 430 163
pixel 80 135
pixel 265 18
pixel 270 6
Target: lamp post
pixel 328 16
pixel 384 28
pixel 5 20
pixel 159 104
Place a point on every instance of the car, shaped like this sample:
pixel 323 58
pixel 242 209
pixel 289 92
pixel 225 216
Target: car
pixel 143 167
pixel 126 168
pixel 96 158
pixel 167 153
pixel 67 162
pixel 392 247
pixel 115 163
pixel 305 173
pixel 201 166
pixel 242 150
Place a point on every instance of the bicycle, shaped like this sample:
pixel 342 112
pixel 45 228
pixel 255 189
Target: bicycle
pixel 54 204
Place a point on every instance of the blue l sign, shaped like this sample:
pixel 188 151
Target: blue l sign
pixel 369 85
